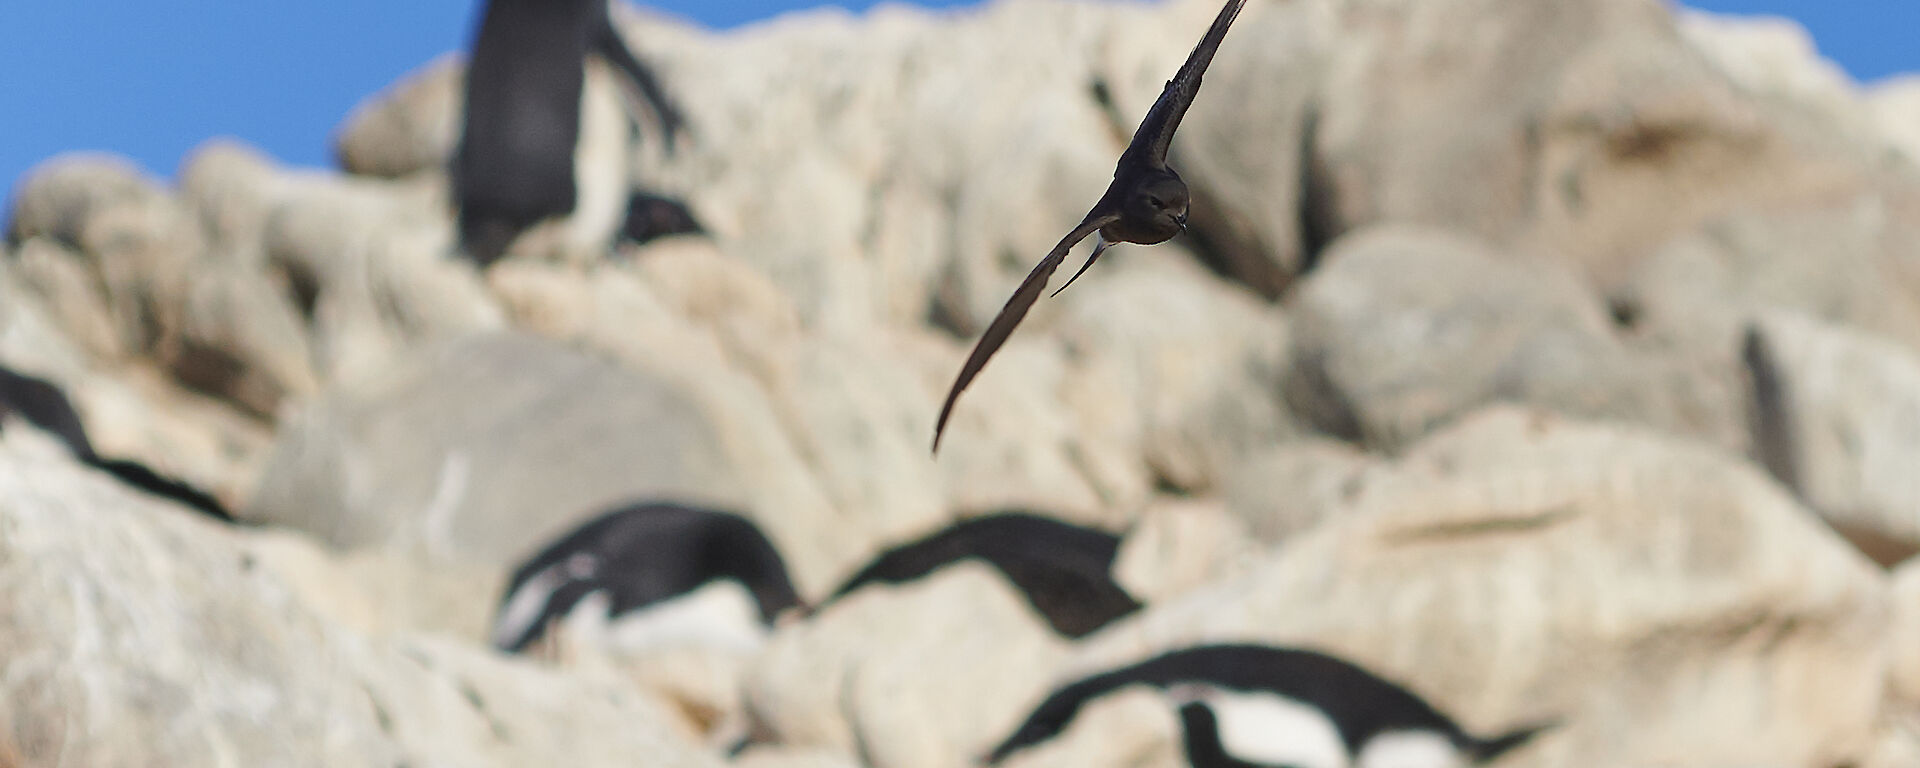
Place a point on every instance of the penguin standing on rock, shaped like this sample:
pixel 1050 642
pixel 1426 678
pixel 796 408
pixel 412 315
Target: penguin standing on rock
pixel 660 573
pixel 1260 706
pixel 43 405
pixel 515 163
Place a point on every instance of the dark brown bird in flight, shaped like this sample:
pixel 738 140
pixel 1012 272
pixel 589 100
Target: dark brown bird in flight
pixel 1145 204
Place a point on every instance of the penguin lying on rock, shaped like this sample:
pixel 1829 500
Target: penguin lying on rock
pixel 1245 706
pixel 660 573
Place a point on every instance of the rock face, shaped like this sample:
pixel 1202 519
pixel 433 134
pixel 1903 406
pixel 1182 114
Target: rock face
pixel 1521 567
pixel 1401 330
pixel 409 127
pixel 451 456
pixel 1842 418
pixel 930 673
pixel 159 640
pixel 1504 337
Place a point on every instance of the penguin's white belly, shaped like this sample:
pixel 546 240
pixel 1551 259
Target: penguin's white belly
pixel 1270 729
pixel 1410 749
pixel 719 615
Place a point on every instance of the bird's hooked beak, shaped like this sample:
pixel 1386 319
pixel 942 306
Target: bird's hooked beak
pixel 1182 221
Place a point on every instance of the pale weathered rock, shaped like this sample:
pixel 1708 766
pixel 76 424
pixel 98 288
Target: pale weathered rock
pixel 139 413
pixel 1135 728
pixel 130 410
pixel 909 206
pixel 1843 261
pixel 371 266
pixel 1900 741
pixel 1895 107
pixel 1180 545
pixel 157 640
pixel 1173 360
pixel 138 242
pixel 235 189
pixel 139 279
pixel 1587 130
pixel 1774 57
pixel 485 448
pixel 1519 567
pixel 381 593
pixel 1399 139
pixel 61 276
pixel 1293 487
pixel 1846 431
pixel 1904 640
pixel 60 197
pixel 409 127
pixel 29 336
pixel 928 674
pixel 1403 329
pixel 780 757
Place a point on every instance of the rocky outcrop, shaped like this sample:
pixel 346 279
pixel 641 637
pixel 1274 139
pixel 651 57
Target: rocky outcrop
pixel 930 673
pixel 1404 329
pixel 1493 361
pixel 1520 567
pixel 1840 419
pixel 1894 106
pixel 158 639
pixel 455 456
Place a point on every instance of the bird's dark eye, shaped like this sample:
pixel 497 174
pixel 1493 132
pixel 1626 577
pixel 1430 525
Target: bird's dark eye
pixel 1155 202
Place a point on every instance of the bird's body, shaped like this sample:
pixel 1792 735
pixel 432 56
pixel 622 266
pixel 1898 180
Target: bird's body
pixel 1377 723
pixel 1064 570
pixel 646 557
pixel 1145 204
pixel 515 162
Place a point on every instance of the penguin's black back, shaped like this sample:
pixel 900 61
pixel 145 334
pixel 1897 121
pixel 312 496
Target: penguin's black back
pixel 1064 570
pixel 646 553
pixel 1360 704
pixel 43 405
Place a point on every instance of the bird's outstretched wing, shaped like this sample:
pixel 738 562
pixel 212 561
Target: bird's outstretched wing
pixel 1016 308
pixel 1150 141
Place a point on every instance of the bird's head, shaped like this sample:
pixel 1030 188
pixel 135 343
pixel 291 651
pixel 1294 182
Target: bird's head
pixel 1159 204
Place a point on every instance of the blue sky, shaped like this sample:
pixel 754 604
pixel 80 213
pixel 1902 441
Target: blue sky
pixel 153 78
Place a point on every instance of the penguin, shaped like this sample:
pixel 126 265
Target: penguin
pixel 1064 570
pixel 1280 706
pixel 514 165
pixel 1266 731
pixel 43 405
pixel 659 573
